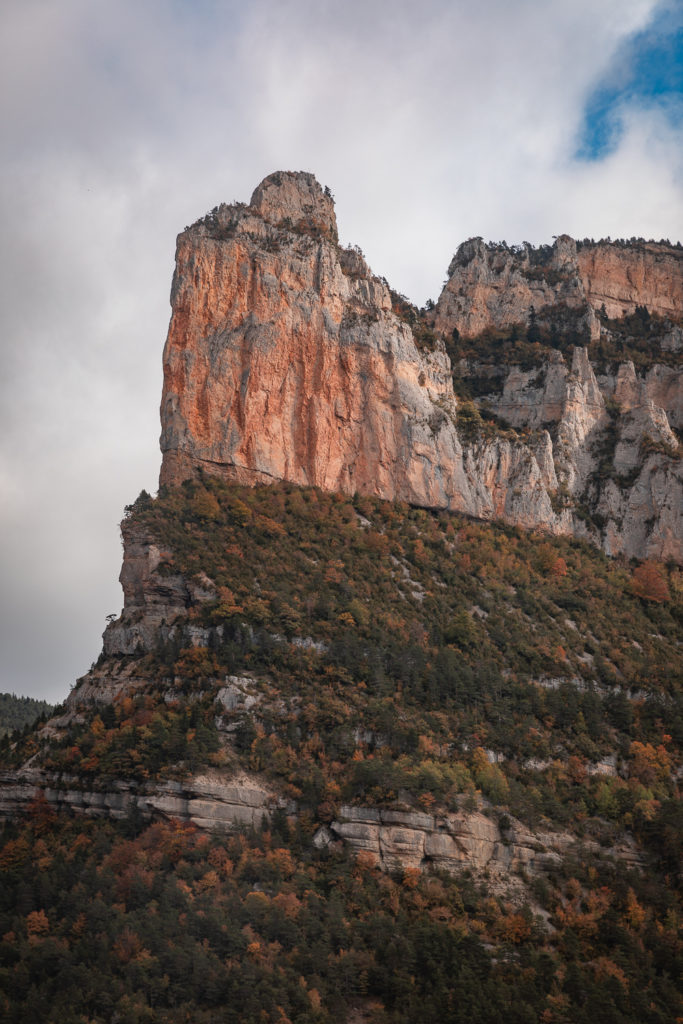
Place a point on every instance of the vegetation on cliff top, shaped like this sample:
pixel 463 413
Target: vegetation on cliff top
pixel 637 337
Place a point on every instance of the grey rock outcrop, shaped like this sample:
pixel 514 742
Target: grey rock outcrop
pixel 496 286
pixel 610 447
pixel 155 596
pixel 210 800
pixel 451 842
pixel 503 850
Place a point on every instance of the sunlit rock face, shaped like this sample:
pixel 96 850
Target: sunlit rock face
pixel 621 278
pixel 493 286
pixel 284 361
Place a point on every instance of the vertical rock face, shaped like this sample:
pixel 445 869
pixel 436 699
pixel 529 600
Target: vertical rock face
pixel 154 596
pixel 295 200
pixel 621 278
pixel 284 360
pixel 495 286
pixel 613 448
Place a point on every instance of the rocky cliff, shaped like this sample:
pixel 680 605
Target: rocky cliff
pixel 495 285
pixel 417 725
pixel 210 800
pixel 286 650
pixel 286 360
pixel 397 840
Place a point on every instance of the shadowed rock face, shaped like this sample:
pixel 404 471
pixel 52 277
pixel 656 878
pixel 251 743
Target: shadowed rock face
pixel 284 361
pixel 154 597
pixel 212 800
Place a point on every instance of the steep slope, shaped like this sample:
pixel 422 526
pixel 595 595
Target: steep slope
pixel 286 360
pixel 384 721
pixel 256 619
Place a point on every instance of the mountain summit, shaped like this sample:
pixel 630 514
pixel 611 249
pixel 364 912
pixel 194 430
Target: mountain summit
pixel 544 389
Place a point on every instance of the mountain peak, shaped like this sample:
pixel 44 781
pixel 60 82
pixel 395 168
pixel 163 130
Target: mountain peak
pixel 295 198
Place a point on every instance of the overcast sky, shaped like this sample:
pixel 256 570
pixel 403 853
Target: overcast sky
pixel 123 121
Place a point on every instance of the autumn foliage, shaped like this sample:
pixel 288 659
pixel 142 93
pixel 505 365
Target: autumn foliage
pixel 649 583
pixel 385 656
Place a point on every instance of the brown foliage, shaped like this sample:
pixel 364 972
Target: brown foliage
pixel 649 583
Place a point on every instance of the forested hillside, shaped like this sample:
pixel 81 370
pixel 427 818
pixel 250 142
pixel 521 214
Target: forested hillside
pixel 17 712
pixel 362 660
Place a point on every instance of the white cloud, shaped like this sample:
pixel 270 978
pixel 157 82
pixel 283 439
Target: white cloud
pixel 123 122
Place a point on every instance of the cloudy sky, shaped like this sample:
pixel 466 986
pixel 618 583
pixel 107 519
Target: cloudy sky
pixel 122 122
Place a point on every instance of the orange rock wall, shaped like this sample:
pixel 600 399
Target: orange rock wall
pixel 284 361
pixel 647 275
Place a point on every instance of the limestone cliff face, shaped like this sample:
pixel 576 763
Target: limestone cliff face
pixel 400 839
pixel 620 278
pixel 492 286
pixel 216 800
pixel 284 360
pixel 154 597
pixel 222 801
pixel 613 447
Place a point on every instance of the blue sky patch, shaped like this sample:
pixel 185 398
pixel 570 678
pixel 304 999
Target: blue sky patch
pixel 646 73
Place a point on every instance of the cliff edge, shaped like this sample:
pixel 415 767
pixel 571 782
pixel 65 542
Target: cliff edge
pixel 287 359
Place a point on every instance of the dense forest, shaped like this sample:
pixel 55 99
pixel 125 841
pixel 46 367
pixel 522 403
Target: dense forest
pixel 397 658
pixel 18 712
pixel 163 923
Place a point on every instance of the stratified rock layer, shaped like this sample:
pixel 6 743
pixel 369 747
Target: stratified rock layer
pixel 212 800
pixel 284 361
